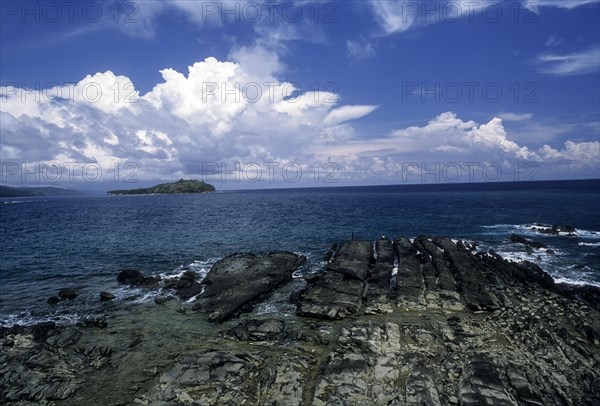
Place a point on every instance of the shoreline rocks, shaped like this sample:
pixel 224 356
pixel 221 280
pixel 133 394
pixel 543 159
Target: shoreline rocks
pixel 429 321
pixel 236 281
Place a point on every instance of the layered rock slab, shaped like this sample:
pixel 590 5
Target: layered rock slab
pixel 236 281
pixel 339 290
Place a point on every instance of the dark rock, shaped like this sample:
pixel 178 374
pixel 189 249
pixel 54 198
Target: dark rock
pixel 259 330
pixel 551 252
pixel 41 330
pixel 588 293
pixel 338 292
pixel 67 293
pixel 472 280
pixel 187 287
pixel 160 299
pixel 105 296
pixel 533 273
pixel 482 384
pixel 331 296
pixel 329 255
pixel 525 391
pixel 148 282
pixel 94 321
pixel 528 243
pixel 64 338
pixel 187 279
pixel 295 296
pixel 241 279
pixel 353 259
pixel 409 280
pixel 53 300
pixel 568 229
pixel 537 245
pixel 421 388
pixel 519 239
pixel 130 277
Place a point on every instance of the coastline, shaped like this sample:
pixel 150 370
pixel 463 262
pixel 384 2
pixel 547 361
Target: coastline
pixel 506 334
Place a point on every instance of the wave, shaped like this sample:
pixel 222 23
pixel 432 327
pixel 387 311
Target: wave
pixel 589 244
pixel 577 282
pixel 532 229
pixel 19 201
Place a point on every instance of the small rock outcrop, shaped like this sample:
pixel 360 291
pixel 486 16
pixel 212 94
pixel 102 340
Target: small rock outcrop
pixel 236 281
pixel 135 278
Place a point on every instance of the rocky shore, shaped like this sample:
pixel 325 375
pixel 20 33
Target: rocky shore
pixel 428 321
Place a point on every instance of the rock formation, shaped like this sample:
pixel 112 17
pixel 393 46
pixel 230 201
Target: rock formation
pixel 423 322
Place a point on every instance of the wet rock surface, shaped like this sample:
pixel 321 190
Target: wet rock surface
pixel 236 281
pixel 428 321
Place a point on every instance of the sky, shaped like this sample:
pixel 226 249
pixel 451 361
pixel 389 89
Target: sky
pixel 261 94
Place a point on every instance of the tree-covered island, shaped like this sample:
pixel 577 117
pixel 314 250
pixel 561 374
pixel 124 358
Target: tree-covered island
pixel 174 188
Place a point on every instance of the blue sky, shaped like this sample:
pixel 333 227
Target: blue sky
pixel 248 94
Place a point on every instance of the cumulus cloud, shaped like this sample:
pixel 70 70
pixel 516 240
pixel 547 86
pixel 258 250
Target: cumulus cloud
pixel 449 139
pixel 576 63
pixel 236 110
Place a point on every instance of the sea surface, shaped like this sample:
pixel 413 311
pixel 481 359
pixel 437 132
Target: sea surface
pixel 49 243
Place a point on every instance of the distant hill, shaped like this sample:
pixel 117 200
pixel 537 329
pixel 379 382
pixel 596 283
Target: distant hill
pixel 173 188
pixel 9 191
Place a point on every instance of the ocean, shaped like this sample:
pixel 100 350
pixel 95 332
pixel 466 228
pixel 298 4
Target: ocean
pixel 82 242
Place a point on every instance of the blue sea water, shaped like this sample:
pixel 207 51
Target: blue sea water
pixel 49 243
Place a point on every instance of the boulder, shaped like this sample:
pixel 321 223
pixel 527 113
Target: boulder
pixel 237 281
pixel 67 293
pixel 130 277
pixel 106 296
pixel 52 300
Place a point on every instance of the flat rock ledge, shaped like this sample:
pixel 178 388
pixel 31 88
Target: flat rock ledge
pixel 236 281
pixel 424 322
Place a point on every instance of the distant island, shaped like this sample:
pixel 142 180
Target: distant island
pixel 9 191
pixel 173 188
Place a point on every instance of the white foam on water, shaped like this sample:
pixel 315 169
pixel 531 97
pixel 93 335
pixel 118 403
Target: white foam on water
pixel 589 244
pixel 27 319
pixel 527 229
pixel 577 282
pixel 19 201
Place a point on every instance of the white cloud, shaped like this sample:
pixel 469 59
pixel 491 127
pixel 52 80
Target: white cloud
pixel 217 111
pixel 397 16
pixel 347 113
pixel 572 151
pixel 554 41
pixel 448 140
pixel 359 50
pixel 577 63
pixel 515 117
pixel 567 4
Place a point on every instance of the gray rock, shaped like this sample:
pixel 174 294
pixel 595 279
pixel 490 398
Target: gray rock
pixel 106 296
pixel 67 293
pixel 239 280
pixel 482 384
